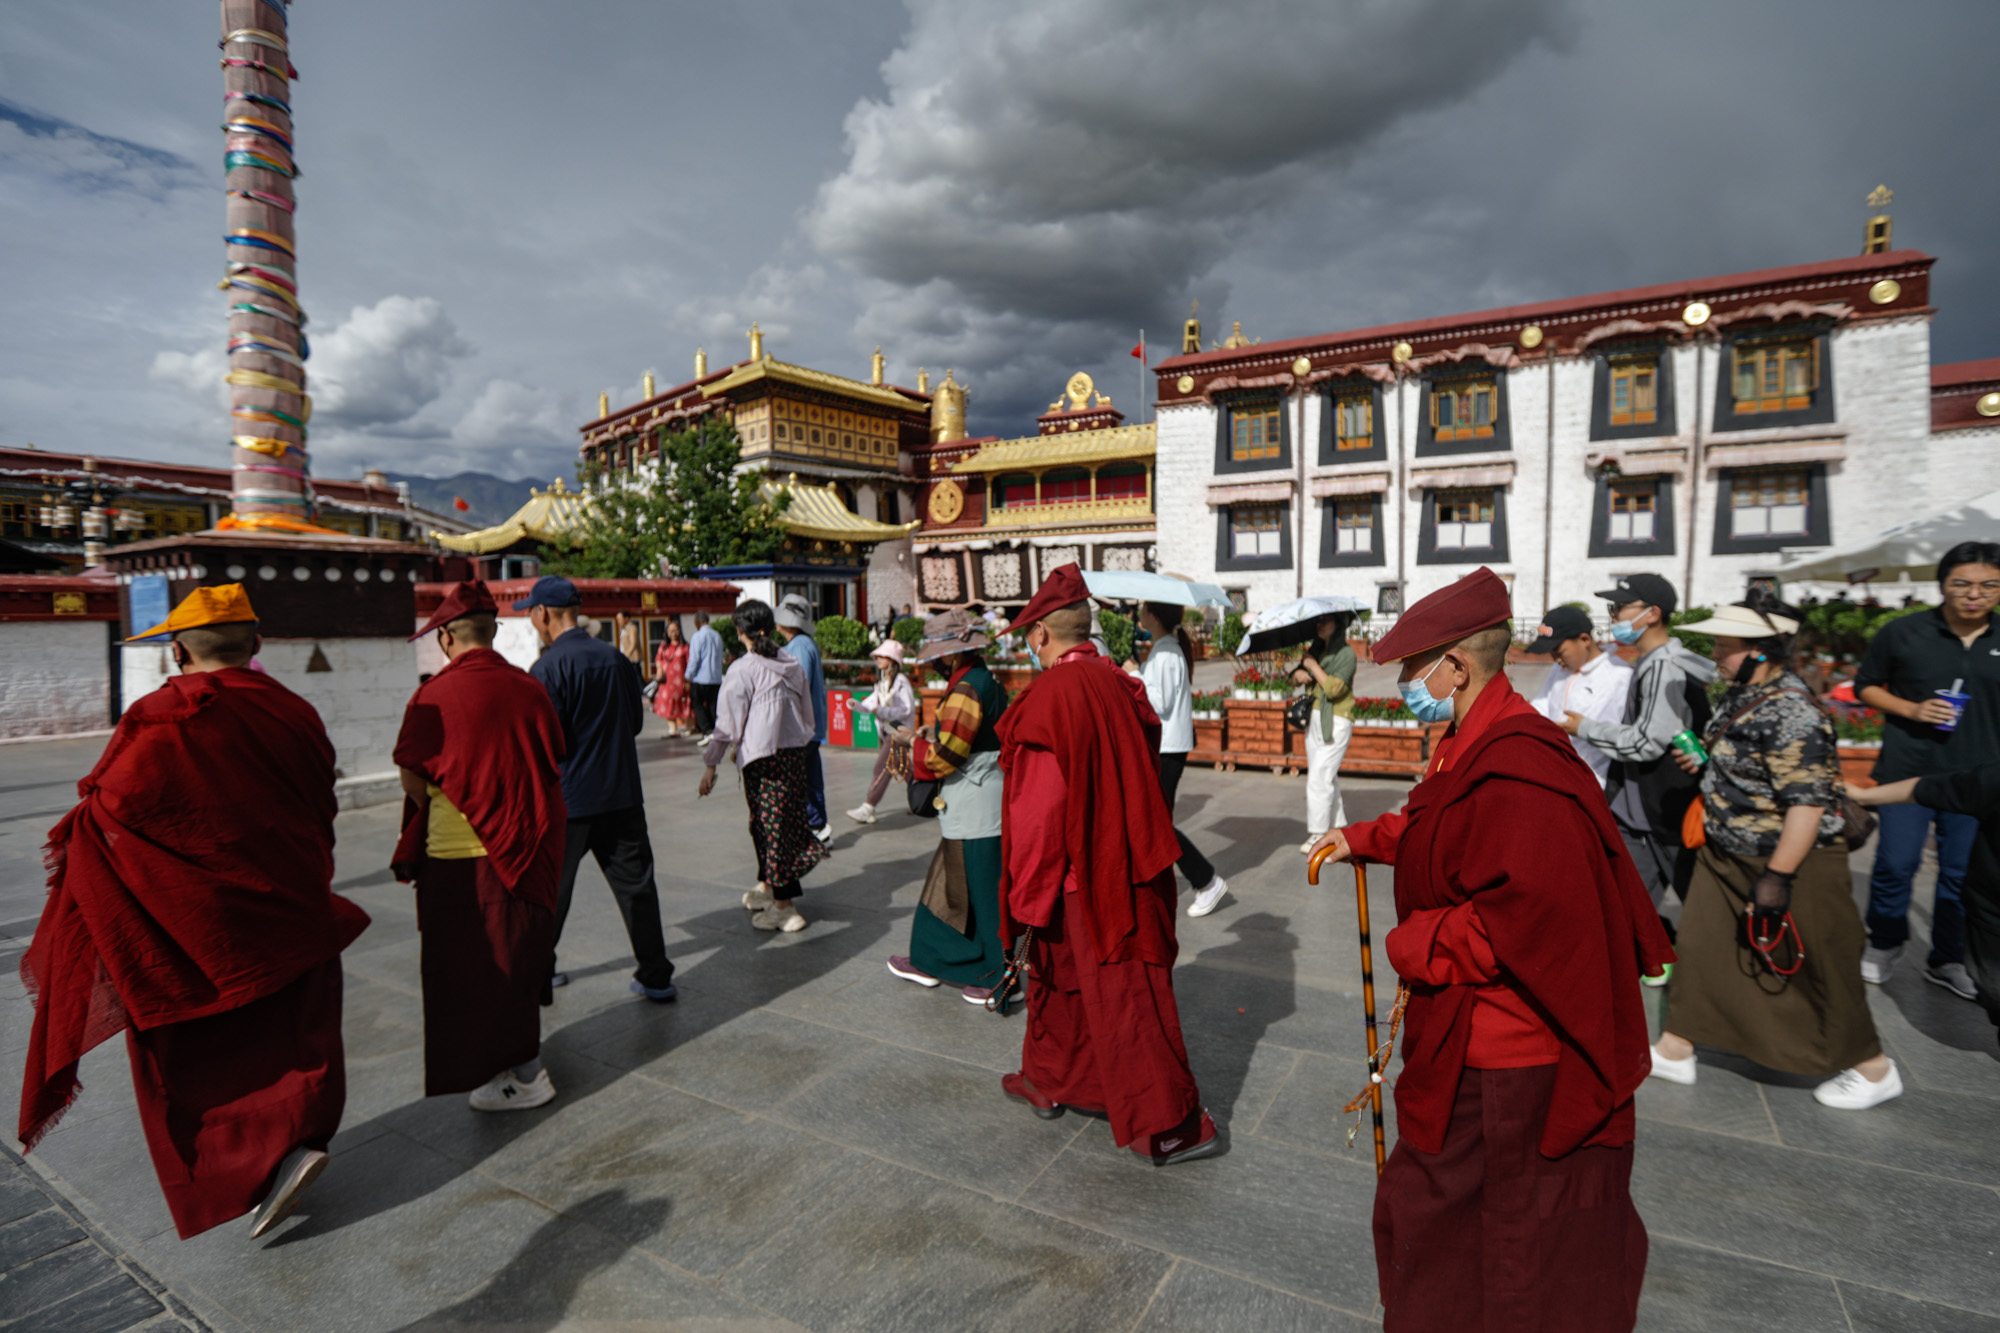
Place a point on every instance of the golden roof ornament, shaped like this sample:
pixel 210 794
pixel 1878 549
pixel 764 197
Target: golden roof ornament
pixel 1877 239
pixel 756 342
pixel 1078 391
pixel 875 367
pixel 1881 197
pixel 603 405
pixel 646 385
pixel 923 380
pixel 1236 338
pixel 701 363
pixel 1191 331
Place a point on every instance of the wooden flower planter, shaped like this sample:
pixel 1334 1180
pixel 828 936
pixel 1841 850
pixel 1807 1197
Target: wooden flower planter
pixel 1385 751
pixel 1258 738
pixel 1209 741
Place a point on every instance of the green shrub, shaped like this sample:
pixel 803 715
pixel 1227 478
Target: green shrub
pixel 842 637
pixel 732 646
pixel 1118 636
pixel 1700 643
pixel 1229 633
pixel 908 631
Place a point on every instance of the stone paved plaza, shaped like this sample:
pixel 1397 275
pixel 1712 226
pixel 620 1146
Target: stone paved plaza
pixel 804 1141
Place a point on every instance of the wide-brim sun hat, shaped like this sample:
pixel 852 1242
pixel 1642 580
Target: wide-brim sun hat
pixel 889 648
pixel 1743 622
pixel 954 631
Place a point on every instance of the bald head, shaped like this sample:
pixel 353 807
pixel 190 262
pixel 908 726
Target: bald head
pixel 216 647
pixel 1059 631
pixel 467 633
pixel 1486 651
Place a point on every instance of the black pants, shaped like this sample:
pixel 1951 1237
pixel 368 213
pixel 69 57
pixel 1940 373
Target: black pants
pixel 703 697
pixel 624 853
pixel 1200 874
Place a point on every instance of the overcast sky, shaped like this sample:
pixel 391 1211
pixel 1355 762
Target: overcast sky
pixel 506 207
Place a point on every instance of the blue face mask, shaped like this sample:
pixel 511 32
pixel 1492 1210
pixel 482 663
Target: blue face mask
pixel 1423 705
pixel 1627 632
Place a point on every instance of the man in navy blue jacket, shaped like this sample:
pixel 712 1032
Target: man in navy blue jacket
pixel 596 692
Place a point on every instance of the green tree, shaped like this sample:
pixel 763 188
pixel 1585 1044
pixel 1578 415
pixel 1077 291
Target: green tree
pixel 841 637
pixel 908 631
pixel 1117 632
pixel 1229 633
pixel 688 508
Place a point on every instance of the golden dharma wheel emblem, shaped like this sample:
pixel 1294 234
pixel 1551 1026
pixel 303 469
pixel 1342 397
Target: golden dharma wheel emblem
pixel 1988 405
pixel 1302 367
pixel 1185 384
pixel 1401 352
pixel 1079 389
pixel 1531 336
pixel 947 501
pixel 1885 291
pixel 1697 313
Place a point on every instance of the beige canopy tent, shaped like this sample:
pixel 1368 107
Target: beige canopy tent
pixel 1913 548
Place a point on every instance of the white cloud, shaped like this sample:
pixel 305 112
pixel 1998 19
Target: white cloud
pixel 198 374
pixel 511 416
pixel 385 364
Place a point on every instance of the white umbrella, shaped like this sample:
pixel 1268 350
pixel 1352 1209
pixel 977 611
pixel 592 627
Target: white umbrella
pixel 1912 548
pixel 1288 623
pixel 1136 585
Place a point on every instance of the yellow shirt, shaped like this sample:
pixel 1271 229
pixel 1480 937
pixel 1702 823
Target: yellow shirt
pixel 449 837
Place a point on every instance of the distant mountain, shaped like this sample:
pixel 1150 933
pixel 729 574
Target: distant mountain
pixel 492 499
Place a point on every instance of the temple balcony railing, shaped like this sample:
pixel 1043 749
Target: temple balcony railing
pixel 1117 509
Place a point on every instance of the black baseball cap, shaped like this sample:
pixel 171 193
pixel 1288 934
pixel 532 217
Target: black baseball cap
pixel 1648 588
pixel 1560 625
pixel 549 590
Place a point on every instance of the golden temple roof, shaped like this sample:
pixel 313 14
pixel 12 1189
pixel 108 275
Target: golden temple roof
pixel 1071 448
pixel 817 512
pixel 545 518
pixel 769 369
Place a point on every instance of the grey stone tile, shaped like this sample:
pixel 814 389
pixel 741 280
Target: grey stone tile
pixel 573 1276
pixel 893 1250
pixel 1306 1113
pixel 1201 1300
pixel 19 1196
pixel 750 1061
pixel 1939 1133
pixel 931 1113
pixel 1864 1222
pixel 1972 1070
pixel 27 1239
pixel 1296 1221
pixel 700 1196
pixel 1690 1289
pixel 1719 1102
pixel 1870 1310
pixel 107 1161
pixel 877 1004
pixel 53 1278
pixel 109 1306
pixel 378 1020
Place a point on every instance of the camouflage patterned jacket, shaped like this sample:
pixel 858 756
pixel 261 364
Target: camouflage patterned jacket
pixel 1780 754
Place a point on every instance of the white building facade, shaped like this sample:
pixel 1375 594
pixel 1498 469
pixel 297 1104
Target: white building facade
pixel 1693 430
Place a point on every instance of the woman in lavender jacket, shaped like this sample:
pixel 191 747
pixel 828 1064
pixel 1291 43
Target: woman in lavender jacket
pixel 764 711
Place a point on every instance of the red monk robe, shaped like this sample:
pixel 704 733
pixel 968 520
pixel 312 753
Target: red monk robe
pixel 1523 931
pixel 484 733
pixel 1089 852
pixel 190 905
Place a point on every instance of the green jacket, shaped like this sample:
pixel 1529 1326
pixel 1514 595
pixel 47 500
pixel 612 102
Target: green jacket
pixel 1335 699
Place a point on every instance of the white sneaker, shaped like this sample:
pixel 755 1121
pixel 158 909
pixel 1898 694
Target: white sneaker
pixel 507 1093
pixel 1850 1090
pixel 1207 900
pixel 1674 1071
pixel 862 814
pixel 825 834
pixel 1954 978
pixel 1877 964
pixel 300 1168
pixel 757 899
pixel 775 917
pixel 1306 847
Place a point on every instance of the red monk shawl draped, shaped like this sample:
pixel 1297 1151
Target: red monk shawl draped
pixel 193 878
pixel 1568 917
pixel 1096 721
pixel 485 733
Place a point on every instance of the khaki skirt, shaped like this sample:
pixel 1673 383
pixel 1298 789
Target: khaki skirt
pixel 1814 1022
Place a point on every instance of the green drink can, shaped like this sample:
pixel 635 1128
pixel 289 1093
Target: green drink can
pixel 1690 745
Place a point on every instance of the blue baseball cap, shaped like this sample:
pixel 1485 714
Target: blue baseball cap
pixel 549 591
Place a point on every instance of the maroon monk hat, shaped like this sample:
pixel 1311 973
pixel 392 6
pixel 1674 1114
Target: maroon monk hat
pixel 466 599
pixel 1476 602
pixel 1063 587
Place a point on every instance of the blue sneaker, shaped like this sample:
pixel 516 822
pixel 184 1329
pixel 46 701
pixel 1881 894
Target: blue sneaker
pixel 660 995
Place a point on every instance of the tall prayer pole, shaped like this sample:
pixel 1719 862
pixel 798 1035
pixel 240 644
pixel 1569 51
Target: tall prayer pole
pixel 267 342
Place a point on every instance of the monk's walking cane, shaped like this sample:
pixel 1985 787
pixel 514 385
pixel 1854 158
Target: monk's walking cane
pixel 1377 1057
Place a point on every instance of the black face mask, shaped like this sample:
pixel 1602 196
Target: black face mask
pixel 1748 667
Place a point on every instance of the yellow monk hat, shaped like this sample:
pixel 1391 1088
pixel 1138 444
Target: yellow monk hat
pixel 224 604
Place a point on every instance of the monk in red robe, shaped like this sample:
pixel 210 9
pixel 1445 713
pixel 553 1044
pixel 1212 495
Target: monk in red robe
pixel 190 906
pixel 483 841
pixel 1088 853
pixel 1522 931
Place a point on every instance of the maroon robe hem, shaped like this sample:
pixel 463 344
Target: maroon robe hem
pixel 484 961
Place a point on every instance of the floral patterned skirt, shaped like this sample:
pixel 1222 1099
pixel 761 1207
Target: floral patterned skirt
pixel 775 787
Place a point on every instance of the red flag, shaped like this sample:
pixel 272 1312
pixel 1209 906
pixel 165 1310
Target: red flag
pixel 458 503
pixel 1140 351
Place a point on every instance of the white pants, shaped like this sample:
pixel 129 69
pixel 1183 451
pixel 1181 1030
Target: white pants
pixel 1324 809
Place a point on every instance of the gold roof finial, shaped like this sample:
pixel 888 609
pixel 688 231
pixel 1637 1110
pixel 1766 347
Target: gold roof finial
pixel 603 405
pixel 1191 331
pixel 875 367
pixel 1877 238
pixel 756 342
pixel 701 363
pixel 646 385
pixel 1881 197
pixel 923 380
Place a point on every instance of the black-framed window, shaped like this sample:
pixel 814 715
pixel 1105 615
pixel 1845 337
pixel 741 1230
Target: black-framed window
pixel 1253 434
pixel 1463 526
pixel 1774 378
pixel 1464 412
pixel 1254 535
pixel 1762 509
pixel 1350 533
pixel 1350 423
pixel 1632 516
pixel 1632 392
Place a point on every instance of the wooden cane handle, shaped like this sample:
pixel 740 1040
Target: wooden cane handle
pixel 1319 858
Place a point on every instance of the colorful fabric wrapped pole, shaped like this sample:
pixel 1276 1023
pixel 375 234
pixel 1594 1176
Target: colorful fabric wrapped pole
pixel 264 197
pixel 262 240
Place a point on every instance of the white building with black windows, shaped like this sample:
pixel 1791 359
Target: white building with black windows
pixel 1693 430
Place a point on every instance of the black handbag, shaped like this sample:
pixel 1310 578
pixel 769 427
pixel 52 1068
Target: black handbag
pixel 1299 712
pixel 923 797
